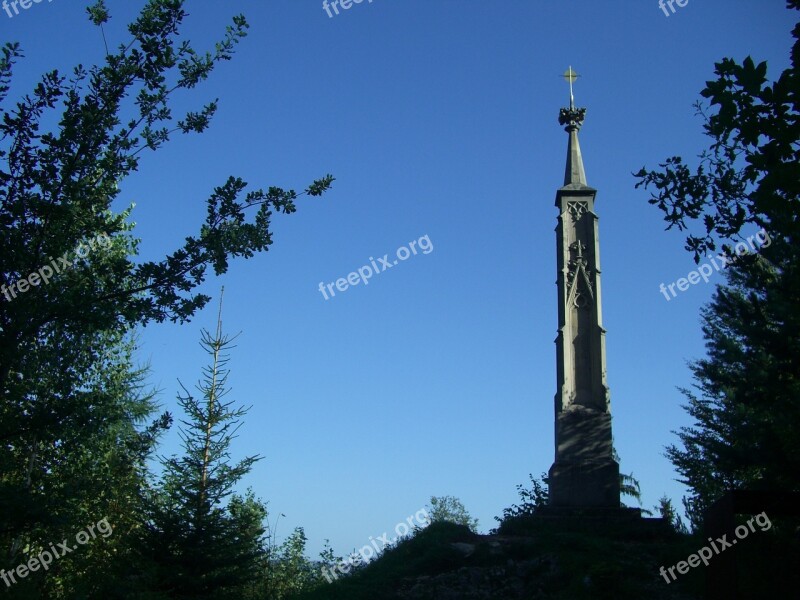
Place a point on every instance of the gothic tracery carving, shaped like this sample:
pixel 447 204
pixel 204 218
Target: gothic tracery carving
pixel 578 270
pixel 577 210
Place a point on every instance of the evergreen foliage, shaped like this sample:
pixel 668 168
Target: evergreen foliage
pixel 745 400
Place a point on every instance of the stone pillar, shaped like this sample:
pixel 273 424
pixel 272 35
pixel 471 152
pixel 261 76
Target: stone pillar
pixel 584 473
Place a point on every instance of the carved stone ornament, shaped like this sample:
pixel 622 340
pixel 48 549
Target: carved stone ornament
pixel 572 117
pixel 577 210
pixel 578 270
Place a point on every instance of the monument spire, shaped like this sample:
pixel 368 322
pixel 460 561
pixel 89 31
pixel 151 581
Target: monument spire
pixel 584 473
pixel 573 119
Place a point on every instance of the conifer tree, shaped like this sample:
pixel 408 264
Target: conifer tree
pixel 54 485
pixel 207 542
pixel 745 401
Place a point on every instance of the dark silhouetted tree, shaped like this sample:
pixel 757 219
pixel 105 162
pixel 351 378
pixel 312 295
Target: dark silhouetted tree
pixel 746 396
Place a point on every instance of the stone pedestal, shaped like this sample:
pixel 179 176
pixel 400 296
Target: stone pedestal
pixel 584 484
pixel 584 473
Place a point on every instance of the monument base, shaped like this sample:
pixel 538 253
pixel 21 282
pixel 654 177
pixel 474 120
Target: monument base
pixel 584 484
pixel 620 512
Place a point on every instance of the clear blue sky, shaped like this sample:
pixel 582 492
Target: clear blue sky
pixel 438 118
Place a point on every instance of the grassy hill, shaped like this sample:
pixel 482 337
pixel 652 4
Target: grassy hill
pixel 530 558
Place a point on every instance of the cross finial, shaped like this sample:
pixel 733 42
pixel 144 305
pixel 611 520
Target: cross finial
pixel 571 76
